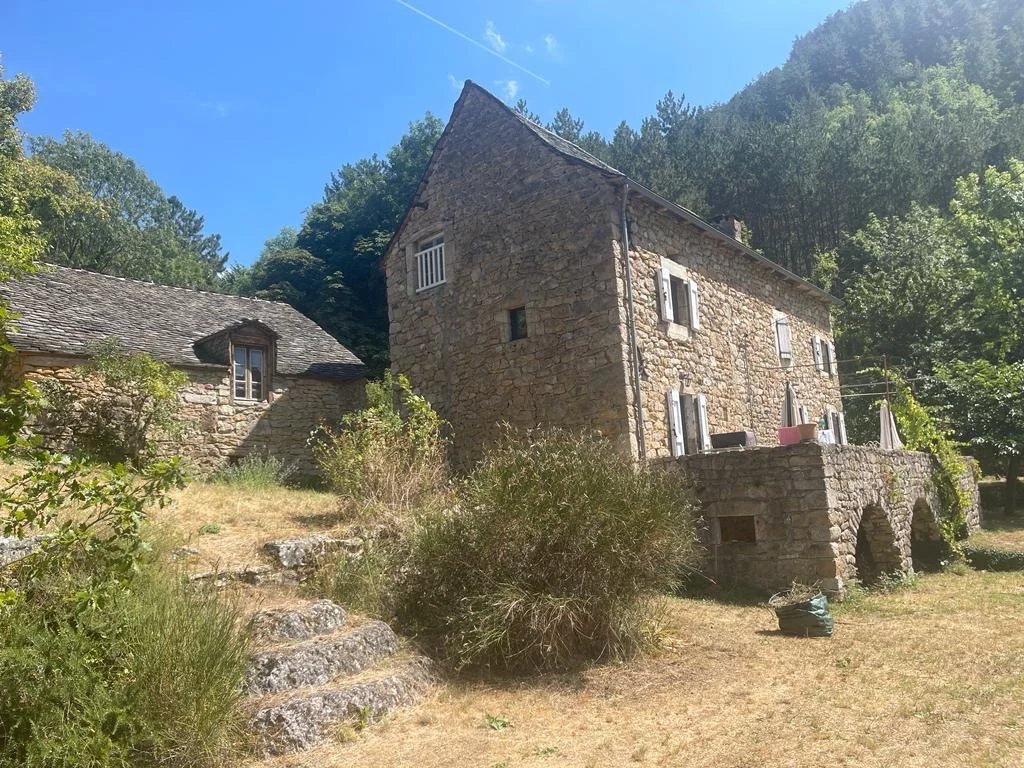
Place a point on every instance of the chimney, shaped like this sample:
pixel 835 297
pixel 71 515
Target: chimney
pixel 730 225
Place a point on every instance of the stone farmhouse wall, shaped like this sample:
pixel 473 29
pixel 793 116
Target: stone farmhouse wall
pixel 522 227
pixel 826 514
pixel 216 429
pixel 732 357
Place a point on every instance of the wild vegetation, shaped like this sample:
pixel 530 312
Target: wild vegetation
pixel 132 404
pixel 105 660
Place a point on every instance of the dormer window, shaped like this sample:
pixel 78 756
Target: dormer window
pixel 249 373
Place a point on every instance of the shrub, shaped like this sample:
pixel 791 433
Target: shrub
pixel 550 556
pixel 390 455
pixel 151 678
pixel 255 471
pixel 135 404
pixel 993 559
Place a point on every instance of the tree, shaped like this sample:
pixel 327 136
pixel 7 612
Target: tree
pixel 987 401
pixel 135 230
pixel 333 271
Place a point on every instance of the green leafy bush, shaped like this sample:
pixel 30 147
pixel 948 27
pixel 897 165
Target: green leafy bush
pixel 993 559
pixel 255 471
pixel 388 456
pixel 151 677
pixel 135 402
pixel 550 556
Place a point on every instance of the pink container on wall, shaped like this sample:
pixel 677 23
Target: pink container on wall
pixel 789 435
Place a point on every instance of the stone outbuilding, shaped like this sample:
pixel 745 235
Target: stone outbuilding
pixel 261 375
pixel 533 284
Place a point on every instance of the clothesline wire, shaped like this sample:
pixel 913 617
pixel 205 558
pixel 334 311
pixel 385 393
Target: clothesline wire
pixel 881 382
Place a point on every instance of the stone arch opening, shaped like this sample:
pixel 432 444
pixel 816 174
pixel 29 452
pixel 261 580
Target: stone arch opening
pixel 877 551
pixel 926 544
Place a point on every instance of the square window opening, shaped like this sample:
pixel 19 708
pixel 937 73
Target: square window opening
pixel 430 263
pixel 517 327
pixel 738 529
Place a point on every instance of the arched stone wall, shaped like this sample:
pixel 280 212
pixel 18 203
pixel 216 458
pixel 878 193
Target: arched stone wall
pixel 805 505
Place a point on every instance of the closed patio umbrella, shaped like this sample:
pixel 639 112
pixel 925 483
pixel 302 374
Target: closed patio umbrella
pixel 889 438
pixel 790 408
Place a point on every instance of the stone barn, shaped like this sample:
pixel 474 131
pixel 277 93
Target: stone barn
pixel 531 283
pixel 261 375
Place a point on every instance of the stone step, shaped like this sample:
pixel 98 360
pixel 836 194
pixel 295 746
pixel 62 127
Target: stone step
pixel 303 552
pixel 319 660
pixel 303 719
pixel 301 622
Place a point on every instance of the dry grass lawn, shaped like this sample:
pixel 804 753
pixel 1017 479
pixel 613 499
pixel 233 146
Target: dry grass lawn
pixel 929 676
pixel 227 525
pixel 932 675
pixel 1001 532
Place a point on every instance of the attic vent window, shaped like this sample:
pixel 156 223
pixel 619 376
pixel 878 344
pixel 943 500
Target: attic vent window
pixel 248 373
pixel 430 267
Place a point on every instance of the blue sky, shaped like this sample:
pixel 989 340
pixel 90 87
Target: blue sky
pixel 244 109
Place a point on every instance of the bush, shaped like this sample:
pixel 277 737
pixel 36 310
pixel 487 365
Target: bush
pixel 388 456
pixel 993 559
pixel 550 556
pixel 136 404
pixel 255 471
pixel 151 678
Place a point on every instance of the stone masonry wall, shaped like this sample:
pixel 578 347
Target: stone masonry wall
pixel 217 429
pixel 732 358
pixel 808 503
pixel 522 227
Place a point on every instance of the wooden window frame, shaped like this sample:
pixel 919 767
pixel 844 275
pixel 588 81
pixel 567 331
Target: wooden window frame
pixel 264 382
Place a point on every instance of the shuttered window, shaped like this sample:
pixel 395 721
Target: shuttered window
pixel 678 301
pixel 687 423
pixel 818 352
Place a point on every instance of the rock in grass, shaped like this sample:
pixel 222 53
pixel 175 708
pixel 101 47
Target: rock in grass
pixel 297 553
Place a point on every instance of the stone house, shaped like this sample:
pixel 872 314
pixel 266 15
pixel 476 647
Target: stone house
pixel 261 375
pixel 511 298
pixel 531 283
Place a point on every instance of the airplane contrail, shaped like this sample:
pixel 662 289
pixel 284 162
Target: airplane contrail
pixel 469 39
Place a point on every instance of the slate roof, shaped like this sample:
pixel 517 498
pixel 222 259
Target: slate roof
pixel 64 310
pixel 574 153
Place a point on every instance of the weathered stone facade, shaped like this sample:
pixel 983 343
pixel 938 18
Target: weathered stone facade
pixel 732 356
pixel 522 228
pixel 818 514
pixel 217 429
pixel 529 221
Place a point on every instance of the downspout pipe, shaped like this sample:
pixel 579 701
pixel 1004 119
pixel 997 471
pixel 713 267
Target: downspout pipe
pixel 634 361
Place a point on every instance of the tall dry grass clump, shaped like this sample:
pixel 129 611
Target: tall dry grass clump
pixel 550 556
pixel 388 457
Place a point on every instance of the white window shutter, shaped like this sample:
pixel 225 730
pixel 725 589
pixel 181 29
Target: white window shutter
pixel 702 423
pixel 805 415
pixel 833 364
pixel 693 304
pixel 675 423
pixel 841 437
pixel 665 294
pixel 783 337
pixel 819 363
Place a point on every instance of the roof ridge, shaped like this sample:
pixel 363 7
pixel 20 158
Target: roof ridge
pixel 587 157
pixel 164 285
